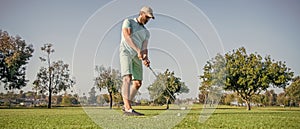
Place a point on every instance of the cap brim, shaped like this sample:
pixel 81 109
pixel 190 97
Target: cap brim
pixel 150 15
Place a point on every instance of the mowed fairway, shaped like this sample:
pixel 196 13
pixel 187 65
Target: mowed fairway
pixel 223 117
pixel 238 117
pixel 65 118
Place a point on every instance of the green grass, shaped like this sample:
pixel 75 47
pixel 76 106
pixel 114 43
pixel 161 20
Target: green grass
pixel 238 117
pixel 59 118
pixel 223 117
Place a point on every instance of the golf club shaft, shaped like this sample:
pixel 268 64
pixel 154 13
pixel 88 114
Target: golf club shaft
pixel 153 72
pixel 166 87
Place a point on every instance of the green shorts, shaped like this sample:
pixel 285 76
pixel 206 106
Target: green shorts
pixel 131 65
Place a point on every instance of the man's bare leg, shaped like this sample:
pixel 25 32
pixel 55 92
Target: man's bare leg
pixel 126 91
pixel 136 84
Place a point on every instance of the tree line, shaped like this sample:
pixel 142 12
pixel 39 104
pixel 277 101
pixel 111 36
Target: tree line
pixel 32 99
pixel 268 98
pixel 237 73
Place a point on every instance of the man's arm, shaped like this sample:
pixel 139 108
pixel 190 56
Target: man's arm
pixel 126 33
pixel 145 53
pixel 145 49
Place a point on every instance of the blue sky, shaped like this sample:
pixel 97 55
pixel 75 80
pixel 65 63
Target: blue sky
pixel 184 35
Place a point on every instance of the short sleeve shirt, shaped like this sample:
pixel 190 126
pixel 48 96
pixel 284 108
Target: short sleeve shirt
pixel 139 34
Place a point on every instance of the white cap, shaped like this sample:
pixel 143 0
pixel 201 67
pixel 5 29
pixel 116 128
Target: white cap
pixel 148 11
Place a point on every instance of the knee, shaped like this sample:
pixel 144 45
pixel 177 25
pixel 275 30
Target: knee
pixel 127 78
pixel 137 84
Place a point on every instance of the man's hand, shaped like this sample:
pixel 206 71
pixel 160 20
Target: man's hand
pixel 142 55
pixel 146 62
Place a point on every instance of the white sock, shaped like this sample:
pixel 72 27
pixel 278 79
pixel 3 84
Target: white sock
pixel 130 110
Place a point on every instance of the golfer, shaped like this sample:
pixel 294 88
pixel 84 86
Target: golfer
pixel 133 54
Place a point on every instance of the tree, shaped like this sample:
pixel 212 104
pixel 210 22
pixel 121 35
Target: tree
pixel 9 98
pixel 165 88
pixel 100 100
pixel 228 99
pixel 293 91
pixel 92 98
pixel 211 84
pixel 66 100
pixel 205 84
pixel 14 55
pixel 83 100
pixel 282 99
pixel 75 99
pixel 271 97
pixel 245 74
pixel 117 98
pixel 109 79
pixel 54 78
pixel 106 98
pixel 257 99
